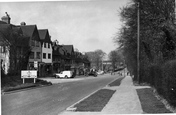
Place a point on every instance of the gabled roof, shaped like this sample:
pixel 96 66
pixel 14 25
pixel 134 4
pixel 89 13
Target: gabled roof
pixel 5 26
pixel 6 29
pixel 44 35
pixel 31 31
pixel 17 29
pixel 68 48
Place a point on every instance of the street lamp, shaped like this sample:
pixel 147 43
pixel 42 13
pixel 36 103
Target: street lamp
pixel 138 43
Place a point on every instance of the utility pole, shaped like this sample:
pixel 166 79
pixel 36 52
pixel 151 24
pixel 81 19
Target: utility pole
pixel 138 43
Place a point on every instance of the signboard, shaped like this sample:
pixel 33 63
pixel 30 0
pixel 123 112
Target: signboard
pixel 36 64
pixel 29 74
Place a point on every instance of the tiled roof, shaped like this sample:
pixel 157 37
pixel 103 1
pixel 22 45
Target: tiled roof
pixel 17 29
pixel 6 28
pixel 44 35
pixel 69 48
pixel 30 30
pixel 4 33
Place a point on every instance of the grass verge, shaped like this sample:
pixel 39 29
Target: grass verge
pixel 150 104
pixel 96 101
pixel 19 85
pixel 116 82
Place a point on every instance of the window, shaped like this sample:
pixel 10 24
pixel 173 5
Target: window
pixel 49 56
pixel 31 55
pixel 44 45
pixel 49 45
pixel 38 55
pixel 44 55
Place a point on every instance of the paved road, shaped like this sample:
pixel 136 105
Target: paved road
pixel 52 100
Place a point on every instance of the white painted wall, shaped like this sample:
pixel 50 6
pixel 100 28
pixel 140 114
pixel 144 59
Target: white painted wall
pixel 5 58
pixel 47 51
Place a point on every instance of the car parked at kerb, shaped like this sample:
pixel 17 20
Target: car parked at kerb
pixel 64 74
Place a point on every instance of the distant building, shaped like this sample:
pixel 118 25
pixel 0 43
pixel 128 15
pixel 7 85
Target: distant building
pixel 69 60
pixel 59 56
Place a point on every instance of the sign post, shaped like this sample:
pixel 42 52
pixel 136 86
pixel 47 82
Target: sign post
pixel 23 80
pixel 29 74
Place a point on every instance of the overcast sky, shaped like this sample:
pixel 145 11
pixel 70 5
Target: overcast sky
pixel 88 25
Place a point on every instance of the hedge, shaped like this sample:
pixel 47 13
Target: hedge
pixel 163 78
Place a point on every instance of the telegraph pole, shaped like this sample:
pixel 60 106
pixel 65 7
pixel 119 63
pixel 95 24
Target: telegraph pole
pixel 138 43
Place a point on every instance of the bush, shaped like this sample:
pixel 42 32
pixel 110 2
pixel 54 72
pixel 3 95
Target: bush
pixel 43 82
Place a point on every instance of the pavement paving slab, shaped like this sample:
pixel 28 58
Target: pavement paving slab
pixel 125 100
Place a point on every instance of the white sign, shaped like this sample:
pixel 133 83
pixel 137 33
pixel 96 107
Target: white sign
pixel 36 64
pixel 29 74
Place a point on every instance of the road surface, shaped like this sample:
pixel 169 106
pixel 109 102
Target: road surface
pixel 51 100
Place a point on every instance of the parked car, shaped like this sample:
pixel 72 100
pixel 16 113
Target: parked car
pixel 100 72
pixel 92 73
pixel 64 74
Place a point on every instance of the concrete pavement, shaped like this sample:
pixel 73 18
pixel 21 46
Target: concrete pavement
pixel 124 101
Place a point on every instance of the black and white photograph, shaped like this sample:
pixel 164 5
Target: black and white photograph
pixel 87 57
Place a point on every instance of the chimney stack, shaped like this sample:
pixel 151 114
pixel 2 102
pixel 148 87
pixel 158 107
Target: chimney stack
pixel 23 23
pixel 6 18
